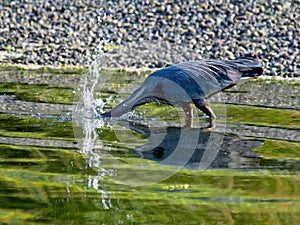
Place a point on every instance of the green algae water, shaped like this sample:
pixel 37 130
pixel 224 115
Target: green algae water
pixel 49 174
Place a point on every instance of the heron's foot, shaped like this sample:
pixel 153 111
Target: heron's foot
pixel 212 124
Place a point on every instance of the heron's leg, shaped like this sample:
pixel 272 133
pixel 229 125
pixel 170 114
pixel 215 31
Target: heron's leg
pixel 204 106
pixel 188 110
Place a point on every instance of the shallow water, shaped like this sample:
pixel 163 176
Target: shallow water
pixel 145 168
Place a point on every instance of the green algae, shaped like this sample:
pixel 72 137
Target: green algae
pixel 280 149
pixel 34 127
pixel 38 93
pixel 263 116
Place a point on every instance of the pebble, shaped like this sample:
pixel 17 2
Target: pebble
pixel 69 31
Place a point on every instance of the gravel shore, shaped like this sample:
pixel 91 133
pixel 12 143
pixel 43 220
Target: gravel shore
pixel 151 33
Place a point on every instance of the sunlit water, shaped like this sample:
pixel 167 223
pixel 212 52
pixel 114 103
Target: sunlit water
pixel 118 172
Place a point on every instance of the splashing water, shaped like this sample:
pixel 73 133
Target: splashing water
pixel 85 115
pixel 85 127
pixel 86 119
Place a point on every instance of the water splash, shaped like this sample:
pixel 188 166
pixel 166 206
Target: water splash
pixel 86 119
pixel 86 113
pixel 86 122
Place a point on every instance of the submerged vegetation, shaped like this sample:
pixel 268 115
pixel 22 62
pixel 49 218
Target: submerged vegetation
pixel 43 69
pixel 35 127
pixel 263 116
pixel 57 180
pixel 280 149
pixel 38 93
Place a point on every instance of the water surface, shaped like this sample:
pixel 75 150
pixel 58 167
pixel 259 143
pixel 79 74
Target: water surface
pixel 125 171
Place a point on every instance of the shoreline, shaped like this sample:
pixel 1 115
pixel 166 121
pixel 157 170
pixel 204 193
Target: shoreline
pixel 79 69
pixel 150 34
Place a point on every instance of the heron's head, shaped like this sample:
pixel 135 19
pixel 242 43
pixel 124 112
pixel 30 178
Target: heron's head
pixel 250 67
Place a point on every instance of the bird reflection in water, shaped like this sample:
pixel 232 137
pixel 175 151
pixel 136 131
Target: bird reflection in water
pixel 212 150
